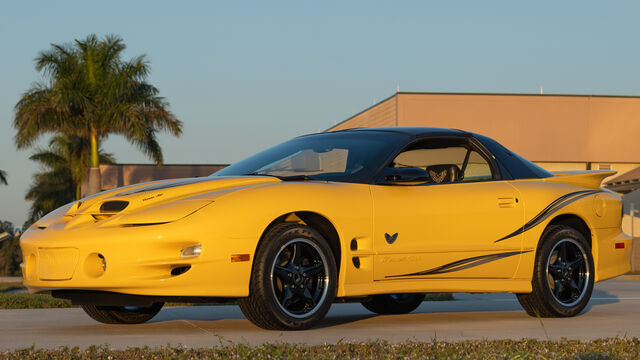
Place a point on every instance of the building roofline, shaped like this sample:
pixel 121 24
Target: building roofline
pixel 481 94
pixel 517 94
pixel 365 110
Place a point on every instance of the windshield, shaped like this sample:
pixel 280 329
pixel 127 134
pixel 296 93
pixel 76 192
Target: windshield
pixel 353 156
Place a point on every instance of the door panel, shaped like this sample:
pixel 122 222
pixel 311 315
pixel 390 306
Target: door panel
pixel 446 230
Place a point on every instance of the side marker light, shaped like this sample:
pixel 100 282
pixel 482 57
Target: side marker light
pixel 620 245
pixel 239 257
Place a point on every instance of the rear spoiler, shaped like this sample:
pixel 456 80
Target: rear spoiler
pixel 585 178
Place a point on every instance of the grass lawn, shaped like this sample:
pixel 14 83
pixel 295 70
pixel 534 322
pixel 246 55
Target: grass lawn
pixel 482 349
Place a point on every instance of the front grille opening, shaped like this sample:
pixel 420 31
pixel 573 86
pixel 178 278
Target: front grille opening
pixel 180 270
pixel 113 206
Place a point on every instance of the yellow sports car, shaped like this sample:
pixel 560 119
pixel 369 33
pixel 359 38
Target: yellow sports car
pixel 379 216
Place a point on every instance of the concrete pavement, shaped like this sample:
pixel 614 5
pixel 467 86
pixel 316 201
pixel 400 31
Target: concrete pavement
pixel 613 311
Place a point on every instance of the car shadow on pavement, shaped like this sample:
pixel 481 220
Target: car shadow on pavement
pixel 341 314
pixel 600 297
pixel 231 312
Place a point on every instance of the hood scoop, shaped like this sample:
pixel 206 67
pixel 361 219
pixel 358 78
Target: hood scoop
pixel 110 208
pixel 113 206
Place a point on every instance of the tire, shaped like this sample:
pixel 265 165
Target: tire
pixel 393 303
pixel 563 275
pixel 294 279
pixel 122 314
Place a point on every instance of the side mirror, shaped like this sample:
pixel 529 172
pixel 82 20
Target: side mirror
pixel 403 174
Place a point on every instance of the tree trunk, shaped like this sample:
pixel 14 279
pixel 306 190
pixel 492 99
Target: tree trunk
pixel 95 180
pixel 95 160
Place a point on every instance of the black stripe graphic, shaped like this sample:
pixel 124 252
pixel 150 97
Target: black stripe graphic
pixel 552 208
pixel 462 264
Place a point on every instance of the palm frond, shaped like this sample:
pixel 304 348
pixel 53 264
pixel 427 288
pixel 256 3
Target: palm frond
pixel 89 91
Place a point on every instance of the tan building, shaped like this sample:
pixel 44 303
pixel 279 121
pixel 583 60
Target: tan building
pixel 558 132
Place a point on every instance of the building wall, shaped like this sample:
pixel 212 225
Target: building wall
pixel 542 128
pixel 113 176
pixel 382 114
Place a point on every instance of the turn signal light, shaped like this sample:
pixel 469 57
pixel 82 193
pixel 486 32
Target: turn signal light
pixel 240 257
pixel 619 245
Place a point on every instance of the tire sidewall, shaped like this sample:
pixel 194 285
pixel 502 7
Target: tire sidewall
pixel 264 261
pixel 550 240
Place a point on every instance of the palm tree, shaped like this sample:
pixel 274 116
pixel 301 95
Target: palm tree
pixel 3 177
pixel 89 92
pixel 56 184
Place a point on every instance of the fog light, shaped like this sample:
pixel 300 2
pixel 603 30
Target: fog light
pixel 95 265
pixel 191 251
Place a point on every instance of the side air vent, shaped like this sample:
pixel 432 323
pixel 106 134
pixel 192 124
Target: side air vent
pixel 113 206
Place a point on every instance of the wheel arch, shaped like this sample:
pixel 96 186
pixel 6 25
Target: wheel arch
pixel 318 222
pixel 573 221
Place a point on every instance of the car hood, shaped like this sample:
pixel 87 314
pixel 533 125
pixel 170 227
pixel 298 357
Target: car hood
pixel 154 202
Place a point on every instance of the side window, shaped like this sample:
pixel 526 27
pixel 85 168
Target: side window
pixel 477 168
pixel 445 161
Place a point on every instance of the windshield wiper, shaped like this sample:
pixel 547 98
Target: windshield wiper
pixel 260 174
pixel 283 178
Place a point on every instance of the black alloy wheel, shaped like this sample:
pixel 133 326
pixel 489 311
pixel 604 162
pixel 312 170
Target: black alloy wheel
pixel 568 272
pixel 563 275
pixel 293 281
pixel 299 277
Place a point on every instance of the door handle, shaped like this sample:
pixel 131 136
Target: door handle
pixel 507 202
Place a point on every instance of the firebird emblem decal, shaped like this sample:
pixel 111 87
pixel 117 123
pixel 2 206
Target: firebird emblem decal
pixel 390 238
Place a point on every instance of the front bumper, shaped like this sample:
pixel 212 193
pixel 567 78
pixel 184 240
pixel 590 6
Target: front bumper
pixel 140 260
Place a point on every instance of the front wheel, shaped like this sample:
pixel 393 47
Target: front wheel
pixel 393 303
pixel 294 279
pixel 122 314
pixel 563 275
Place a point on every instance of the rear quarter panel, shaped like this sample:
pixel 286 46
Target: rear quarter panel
pixel 600 211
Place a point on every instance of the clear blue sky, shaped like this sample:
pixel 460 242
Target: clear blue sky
pixel 243 76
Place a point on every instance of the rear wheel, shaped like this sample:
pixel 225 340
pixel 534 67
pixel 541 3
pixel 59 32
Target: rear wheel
pixel 122 314
pixel 393 303
pixel 563 275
